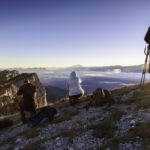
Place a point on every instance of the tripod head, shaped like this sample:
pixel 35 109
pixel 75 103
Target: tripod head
pixel 147 36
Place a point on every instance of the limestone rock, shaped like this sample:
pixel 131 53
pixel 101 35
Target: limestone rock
pixel 10 82
pixel 6 75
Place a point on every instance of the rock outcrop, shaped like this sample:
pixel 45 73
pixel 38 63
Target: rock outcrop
pixel 10 81
pixel 6 75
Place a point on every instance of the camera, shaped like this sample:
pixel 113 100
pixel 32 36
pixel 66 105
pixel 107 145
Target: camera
pixel 147 36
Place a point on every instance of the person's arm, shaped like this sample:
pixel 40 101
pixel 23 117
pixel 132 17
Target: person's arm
pixel 20 92
pixel 80 81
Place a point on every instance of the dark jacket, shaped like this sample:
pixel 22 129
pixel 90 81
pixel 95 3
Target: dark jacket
pixel 27 90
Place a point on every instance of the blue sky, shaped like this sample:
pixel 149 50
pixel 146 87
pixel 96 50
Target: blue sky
pixel 59 33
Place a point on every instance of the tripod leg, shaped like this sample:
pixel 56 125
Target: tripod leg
pixel 142 79
pixel 145 66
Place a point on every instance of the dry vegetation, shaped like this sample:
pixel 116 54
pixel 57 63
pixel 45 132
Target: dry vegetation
pixel 105 129
pixel 66 116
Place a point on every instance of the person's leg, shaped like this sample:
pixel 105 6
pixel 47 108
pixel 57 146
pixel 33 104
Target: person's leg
pixel 72 99
pixel 32 112
pixel 31 109
pixel 23 118
pixel 77 97
pixel 87 107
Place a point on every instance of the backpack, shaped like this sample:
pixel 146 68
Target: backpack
pixel 147 36
pixel 108 96
pixel 100 97
pixel 5 123
pixel 44 113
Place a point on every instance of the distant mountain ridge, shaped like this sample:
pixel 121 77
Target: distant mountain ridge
pixel 132 68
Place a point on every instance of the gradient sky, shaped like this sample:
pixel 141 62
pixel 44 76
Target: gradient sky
pixel 59 33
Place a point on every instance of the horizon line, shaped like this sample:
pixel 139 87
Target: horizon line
pixel 59 67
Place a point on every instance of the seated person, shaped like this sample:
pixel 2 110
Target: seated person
pixel 74 87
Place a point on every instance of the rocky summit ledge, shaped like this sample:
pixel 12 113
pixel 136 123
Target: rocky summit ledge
pixel 10 81
pixel 124 125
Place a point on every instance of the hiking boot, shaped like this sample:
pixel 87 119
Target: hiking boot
pixel 86 107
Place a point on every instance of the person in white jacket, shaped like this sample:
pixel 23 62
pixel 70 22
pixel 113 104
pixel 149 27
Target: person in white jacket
pixel 74 87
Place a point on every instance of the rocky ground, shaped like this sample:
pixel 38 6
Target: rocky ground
pixel 124 125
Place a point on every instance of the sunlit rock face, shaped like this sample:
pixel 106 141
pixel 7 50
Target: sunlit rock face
pixel 10 81
pixel 6 75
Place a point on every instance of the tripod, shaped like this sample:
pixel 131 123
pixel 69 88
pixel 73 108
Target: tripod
pixel 147 53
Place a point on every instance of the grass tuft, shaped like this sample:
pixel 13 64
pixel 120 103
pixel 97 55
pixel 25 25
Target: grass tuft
pixel 67 116
pixel 141 130
pixel 105 129
pixel 144 103
pixel 116 114
pixel 31 133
